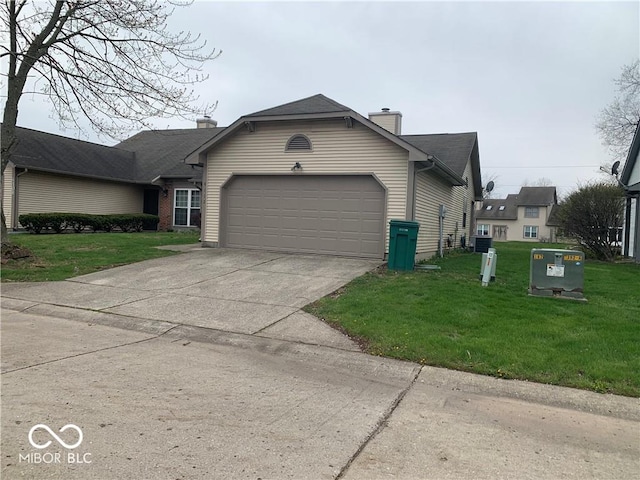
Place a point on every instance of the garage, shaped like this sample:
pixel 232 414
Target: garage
pixel 302 213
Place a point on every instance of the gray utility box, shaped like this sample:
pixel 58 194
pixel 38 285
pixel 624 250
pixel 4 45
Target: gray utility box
pixel 557 273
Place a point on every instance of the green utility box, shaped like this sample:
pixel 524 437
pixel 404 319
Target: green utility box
pixel 557 273
pixel 403 237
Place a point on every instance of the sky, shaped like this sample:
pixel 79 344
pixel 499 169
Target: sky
pixel 529 77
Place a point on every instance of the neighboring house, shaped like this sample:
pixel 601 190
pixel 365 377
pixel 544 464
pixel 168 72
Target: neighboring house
pixel 630 180
pixel 314 176
pixel 531 215
pixel 144 174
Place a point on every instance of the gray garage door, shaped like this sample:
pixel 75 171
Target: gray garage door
pixel 332 214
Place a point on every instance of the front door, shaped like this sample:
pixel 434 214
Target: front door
pixel 150 205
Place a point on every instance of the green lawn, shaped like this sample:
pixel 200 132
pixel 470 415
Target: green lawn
pixel 446 318
pixel 60 256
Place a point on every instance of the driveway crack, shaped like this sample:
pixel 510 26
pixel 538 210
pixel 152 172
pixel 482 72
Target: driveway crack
pixel 380 425
pixel 112 347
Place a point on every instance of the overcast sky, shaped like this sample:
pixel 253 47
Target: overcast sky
pixel 529 77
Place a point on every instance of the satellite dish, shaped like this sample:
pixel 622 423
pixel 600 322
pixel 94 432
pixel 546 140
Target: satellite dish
pixel 614 167
pixel 489 186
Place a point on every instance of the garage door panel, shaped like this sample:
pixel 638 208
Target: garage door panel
pixel 310 214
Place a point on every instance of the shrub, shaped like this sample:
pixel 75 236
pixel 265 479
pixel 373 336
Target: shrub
pixel 78 222
pixel 593 215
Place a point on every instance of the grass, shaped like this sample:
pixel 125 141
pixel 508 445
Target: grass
pixel 57 257
pixel 446 318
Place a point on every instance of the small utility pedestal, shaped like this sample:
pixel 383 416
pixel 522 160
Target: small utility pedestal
pixel 488 270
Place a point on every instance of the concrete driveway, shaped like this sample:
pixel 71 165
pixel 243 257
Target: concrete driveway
pixel 202 366
pixel 240 291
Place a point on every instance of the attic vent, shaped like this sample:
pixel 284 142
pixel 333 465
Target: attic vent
pixel 298 142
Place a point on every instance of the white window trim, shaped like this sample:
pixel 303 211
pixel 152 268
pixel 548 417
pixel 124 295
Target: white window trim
pixel 524 231
pixel 188 207
pixel 483 225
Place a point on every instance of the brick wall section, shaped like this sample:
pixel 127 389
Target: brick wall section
pixel 165 209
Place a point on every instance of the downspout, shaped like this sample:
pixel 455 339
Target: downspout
pixel 14 201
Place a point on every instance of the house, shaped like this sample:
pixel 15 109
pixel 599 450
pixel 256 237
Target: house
pixel 314 176
pixel 143 174
pixel 630 181
pixel 531 215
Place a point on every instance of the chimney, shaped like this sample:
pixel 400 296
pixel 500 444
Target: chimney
pixel 391 121
pixel 206 122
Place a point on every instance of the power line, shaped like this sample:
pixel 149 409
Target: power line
pixel 545 167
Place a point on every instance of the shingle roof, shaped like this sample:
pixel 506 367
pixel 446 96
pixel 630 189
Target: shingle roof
pixel 554 216
pixel 161 152
pixel 453 149
pixel 537 196
pixel 310 105
pixel 139 159
pixel 54 153
pixel 510 211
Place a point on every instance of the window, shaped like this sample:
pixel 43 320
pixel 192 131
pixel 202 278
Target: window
pixel 530 231
pixel 501 208
pixel 483 229
pixel 297 143
pixel 489 207
pixel 186 210
pixel 531 212
pixel 464 219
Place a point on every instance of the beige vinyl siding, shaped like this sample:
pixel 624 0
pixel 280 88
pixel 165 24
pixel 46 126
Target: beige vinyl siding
pixel 7 194
pixel 516 227
pixel 40 192
pixel 335 149
pixel 463 196
pixel 431 192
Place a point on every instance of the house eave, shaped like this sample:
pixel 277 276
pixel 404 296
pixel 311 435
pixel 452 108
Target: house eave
pixel 631 159
pixel 75 174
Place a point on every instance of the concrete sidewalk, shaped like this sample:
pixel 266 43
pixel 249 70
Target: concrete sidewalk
pixel 203 366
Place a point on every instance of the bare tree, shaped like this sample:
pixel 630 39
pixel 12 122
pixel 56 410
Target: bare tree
pixel 617 122
pixel 540 182
pixel 593 215
pixel 113 62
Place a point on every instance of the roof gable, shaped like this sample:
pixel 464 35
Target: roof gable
pixel 321 107
pixel 310 105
